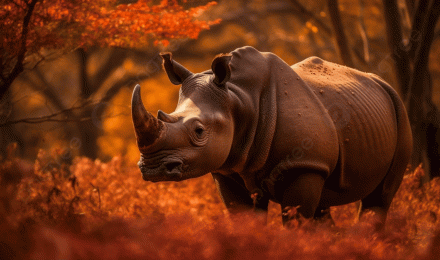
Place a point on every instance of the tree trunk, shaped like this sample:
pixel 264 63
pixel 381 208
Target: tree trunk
pixel 415 84
pixel 88 131
pixel 341 39
pixel 395 43
pixel 8 134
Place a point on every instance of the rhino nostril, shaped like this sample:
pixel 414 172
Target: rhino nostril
pixel 172 165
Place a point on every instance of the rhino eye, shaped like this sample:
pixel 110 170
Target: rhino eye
pixel 198 134
pixel 199 131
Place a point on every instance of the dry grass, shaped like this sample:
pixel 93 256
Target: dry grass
pixel 94 210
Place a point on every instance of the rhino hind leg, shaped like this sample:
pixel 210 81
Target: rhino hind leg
pixel 380 199
pixel 302 193
pixel 375 203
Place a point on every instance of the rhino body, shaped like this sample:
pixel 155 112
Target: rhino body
pixel 313 135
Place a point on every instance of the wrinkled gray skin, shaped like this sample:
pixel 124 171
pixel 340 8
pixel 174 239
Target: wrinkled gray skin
pixel 312 135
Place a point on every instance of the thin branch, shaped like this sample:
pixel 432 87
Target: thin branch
pixel 363 33
pixel 111 63
pixel 410 7
pixel 18 6
pixel 341 39
pixel 296 9
pixel 51 117
pixel 114 89
pixel 38 62
pixel 47 89
pixel 302 10
pixel 366 57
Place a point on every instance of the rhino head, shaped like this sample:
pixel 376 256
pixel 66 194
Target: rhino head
pixel 194 139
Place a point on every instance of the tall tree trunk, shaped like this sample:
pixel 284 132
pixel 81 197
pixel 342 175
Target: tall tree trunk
pixel 341 39
pixel 88 128
pixel 423 114
pixel 415 84
pixel 395 43
pixel 8 134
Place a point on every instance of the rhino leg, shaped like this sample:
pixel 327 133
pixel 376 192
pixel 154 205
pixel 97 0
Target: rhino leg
pixel 237 198
pixel 303 192
pixel 323 215
pixel 380 199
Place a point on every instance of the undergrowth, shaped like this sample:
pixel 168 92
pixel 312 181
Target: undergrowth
pixel 83 209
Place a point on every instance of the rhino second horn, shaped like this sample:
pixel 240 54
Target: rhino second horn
pixel 146 126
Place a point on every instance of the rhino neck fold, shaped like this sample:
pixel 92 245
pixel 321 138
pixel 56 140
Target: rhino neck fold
pixel 255 114
pixel 264 132
pixel 253 91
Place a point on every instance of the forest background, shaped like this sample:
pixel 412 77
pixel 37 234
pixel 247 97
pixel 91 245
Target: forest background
pixel 72 98
pixel 83 96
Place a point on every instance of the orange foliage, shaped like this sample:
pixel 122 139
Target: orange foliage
pixel 82 209
pixel 65 24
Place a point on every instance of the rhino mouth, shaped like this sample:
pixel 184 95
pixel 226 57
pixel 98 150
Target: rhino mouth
pixel 170 170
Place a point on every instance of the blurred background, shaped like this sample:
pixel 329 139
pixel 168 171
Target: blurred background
pixel 69 185
pixel 79 100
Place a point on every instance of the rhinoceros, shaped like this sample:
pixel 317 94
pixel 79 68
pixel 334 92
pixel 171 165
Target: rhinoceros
pixel 312 135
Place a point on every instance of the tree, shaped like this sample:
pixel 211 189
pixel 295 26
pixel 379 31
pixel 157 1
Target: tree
pixel 411 65
pixel 32 30
pixel 45 25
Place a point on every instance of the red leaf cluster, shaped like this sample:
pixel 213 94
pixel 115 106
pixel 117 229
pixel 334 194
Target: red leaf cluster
pixel 85 209
pixel 67 25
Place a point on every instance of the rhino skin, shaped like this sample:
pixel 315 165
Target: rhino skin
pixel 311 135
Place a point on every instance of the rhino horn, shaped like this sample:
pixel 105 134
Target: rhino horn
pixel 147 128
pixel 176 72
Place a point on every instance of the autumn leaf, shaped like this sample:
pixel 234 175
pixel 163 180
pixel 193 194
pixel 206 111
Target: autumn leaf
pixel 31 26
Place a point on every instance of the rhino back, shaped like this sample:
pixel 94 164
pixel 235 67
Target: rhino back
pixel 364 117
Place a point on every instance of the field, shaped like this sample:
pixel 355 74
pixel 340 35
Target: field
pixel 83 209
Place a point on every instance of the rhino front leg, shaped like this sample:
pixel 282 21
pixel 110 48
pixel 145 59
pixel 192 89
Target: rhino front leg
pixel 323 215
pixel 303 192
pixel 237 198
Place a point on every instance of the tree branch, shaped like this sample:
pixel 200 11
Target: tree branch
pixel 296 9
pixel 113 62
pixel 18 68
pixel 361 26
pixel 410 7
pixel 341 39
pixel 47 89
pixel 311 15
pixel 50 118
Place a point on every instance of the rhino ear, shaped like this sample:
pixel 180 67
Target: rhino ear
pixel 176 72
pixel 221 69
